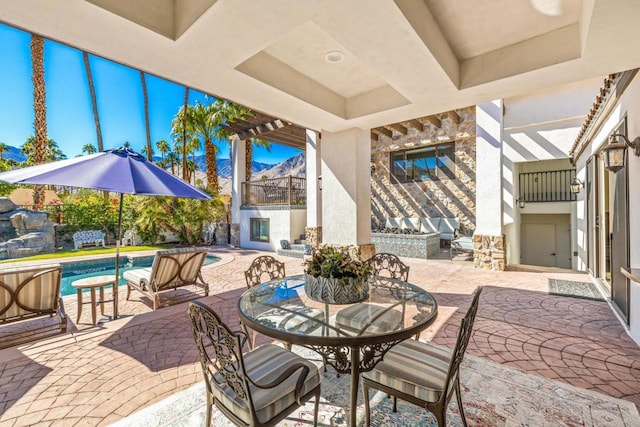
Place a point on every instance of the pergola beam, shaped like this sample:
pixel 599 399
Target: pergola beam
pixel 383 131
pixel 398 128
pixel 434 121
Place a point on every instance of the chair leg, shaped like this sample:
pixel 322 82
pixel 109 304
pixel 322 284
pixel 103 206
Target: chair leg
pixel 459 398
pixel 316 408
pixel 249 338
pixel 128 292
pixel 209 409
pixel 395 404
pixel 367 409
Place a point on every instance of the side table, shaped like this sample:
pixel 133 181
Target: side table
pixel 92 283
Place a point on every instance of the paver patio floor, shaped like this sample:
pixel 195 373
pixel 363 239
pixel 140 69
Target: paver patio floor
pixel 97 375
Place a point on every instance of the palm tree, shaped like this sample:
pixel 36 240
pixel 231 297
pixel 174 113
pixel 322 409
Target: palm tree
pixel 203 122
pixel 253 142
pixel 94 102
pixel 173 158
pixel 163 147
pixel 184 132
pixel 54 152
pixel 191 170
pixel 40 110
pixel 89 149
pixel 145 96
pixel 148 151
pixel 28 149
pixel 3 148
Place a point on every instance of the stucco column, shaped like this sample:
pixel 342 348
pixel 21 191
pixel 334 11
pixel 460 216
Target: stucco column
pixel 346 188
pixel 488 237
pixel 313 230
pixel 238 159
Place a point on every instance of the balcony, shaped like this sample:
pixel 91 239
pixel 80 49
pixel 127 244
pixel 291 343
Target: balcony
pixel 547 186
pixel 287 191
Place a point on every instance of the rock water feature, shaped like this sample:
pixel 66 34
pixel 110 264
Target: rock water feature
pixel 24 232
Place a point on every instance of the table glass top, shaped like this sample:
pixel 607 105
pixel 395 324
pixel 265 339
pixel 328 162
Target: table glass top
pixel 281 306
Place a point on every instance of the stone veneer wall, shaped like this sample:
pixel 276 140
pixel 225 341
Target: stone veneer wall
pixel 234 239
pixel 431 198
pixel 488 252
pixel 313 236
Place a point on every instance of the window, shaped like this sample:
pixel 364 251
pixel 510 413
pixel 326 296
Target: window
pixel 259 229
pixel 435 162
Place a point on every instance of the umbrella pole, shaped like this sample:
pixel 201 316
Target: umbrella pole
pixel 115 286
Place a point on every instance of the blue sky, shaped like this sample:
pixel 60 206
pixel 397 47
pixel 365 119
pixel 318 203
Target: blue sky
pixel 69 116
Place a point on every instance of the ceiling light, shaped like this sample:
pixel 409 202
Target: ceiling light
pixel 334 56
pixel 548 7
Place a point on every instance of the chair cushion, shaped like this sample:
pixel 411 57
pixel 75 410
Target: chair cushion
pixel 429 225
pixel 359 316
pixel 448 225
pixel 292 318
pixel 138 275
pixel 393 222
pixel 415 368
pixel 263 365
pixel 411 223
pixel 464 243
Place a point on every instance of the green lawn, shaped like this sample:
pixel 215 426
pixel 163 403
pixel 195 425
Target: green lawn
pixel 80 252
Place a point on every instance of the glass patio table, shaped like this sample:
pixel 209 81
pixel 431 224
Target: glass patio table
pixel 352 338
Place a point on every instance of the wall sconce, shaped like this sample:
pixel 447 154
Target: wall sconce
pixel 614 153
pixel 520 203
pixel 576 185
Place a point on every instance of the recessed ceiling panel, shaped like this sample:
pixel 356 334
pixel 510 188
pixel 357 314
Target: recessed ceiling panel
pixel 305 49
pixel 478 27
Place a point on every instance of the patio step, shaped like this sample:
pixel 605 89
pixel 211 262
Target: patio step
pixel 293 253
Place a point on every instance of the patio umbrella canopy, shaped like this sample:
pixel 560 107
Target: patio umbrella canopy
pixel 119 170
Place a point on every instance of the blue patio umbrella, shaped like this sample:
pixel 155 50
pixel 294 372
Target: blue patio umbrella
pixel 120 171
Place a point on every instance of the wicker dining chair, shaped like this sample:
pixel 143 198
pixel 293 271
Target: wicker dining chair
pixel 389 265
pixel 257 388
pixel 263 269
pixel 423 374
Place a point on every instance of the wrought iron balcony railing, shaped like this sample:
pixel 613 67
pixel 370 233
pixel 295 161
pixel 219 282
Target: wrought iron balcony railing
pixel 547 186
pixel 289 190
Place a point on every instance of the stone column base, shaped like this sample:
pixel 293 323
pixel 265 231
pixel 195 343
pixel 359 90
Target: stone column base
pixel 313 236
pixel 488 252
pixel 367 251
pixel 234 239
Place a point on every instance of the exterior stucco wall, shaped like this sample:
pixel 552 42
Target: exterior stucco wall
pixel 539 130
pixel 284 224
pixel 432 198
pixel 628 106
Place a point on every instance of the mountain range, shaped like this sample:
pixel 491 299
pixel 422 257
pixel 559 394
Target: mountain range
pixel 294 166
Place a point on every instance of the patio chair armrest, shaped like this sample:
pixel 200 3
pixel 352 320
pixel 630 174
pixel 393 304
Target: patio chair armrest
pixel 291 369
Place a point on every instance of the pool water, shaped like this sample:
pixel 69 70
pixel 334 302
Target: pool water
pixel 83 269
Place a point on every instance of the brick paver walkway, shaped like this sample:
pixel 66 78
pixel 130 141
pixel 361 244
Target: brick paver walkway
pixel 97 375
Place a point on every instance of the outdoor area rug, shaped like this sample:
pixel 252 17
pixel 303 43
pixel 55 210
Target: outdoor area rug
pixel 569 288
pixel 493 395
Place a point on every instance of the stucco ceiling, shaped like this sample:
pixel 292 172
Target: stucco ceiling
pixel 401 59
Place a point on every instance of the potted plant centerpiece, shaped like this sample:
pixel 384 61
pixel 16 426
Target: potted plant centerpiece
pixel 336 275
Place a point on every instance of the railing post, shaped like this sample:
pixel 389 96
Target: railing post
pixel 290 190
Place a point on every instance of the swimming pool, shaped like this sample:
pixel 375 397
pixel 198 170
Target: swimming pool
pixel 82 269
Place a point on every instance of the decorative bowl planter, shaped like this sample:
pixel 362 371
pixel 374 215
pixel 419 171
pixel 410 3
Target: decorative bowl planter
pixel 335 291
